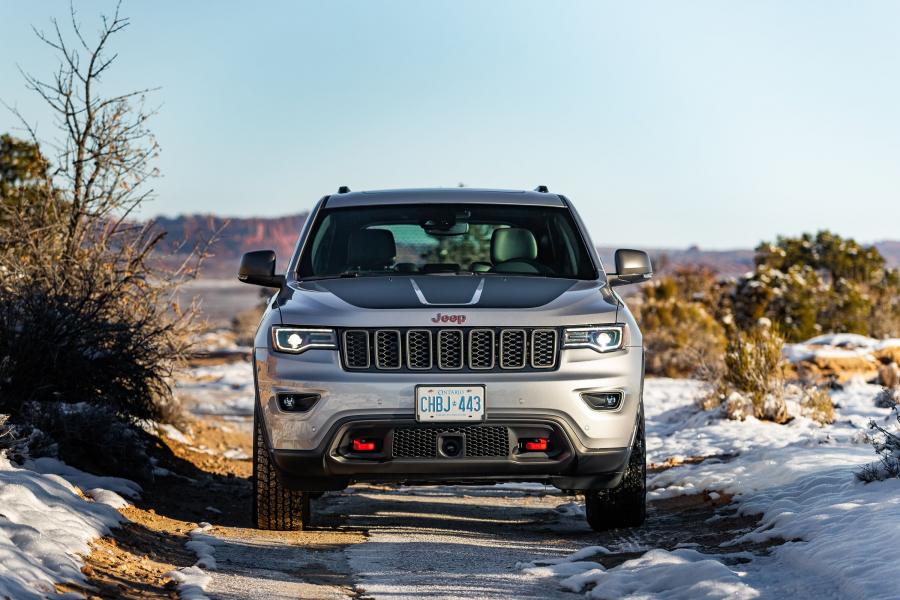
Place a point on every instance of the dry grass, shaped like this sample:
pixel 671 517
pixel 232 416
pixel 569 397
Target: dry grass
pixel 816 404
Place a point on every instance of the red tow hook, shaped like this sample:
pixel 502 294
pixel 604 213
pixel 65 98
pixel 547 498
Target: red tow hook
pixel 536 445
pixel 363 445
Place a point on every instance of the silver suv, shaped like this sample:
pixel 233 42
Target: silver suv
pixel 447 336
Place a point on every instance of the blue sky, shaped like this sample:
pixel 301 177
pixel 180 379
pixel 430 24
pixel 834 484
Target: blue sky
pixel 667 123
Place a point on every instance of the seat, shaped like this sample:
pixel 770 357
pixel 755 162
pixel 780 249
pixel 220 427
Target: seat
pixel 371 249
pixel 406 267
pixel 480 267
pixel 514 250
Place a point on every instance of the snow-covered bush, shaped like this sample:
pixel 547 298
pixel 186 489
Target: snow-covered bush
pixel 887 446
pixel 887 398
pixel 815 283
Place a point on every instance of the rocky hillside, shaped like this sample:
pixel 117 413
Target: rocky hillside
pixel 232 237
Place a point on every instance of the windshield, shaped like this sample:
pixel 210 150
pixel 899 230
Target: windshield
pixel 442 239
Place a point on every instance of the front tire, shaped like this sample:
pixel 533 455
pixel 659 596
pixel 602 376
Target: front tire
pixel 275 507
pixel 626 504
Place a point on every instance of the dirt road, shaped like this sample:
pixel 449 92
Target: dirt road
pixel 367 542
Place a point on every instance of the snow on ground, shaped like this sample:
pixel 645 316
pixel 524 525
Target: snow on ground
pixel 841 534
pixel 222 390
pixel 193 581
pixel 838 345
pixel 45 524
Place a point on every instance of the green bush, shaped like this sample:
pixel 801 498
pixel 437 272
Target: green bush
pixel 819 283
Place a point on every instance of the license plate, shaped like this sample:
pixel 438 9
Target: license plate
pixel 449 403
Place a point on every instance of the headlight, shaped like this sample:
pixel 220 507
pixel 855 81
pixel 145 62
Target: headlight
pixel 296 339
pixel 601 339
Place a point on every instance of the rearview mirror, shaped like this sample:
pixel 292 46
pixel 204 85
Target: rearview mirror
pixel 632 266
pixel 258 268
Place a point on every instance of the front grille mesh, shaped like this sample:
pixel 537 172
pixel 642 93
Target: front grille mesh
pixel 478 349
pixel 387 349
pixel 543 348
pixel 480 441
pixel 481 349
pixel 450 349
pixel 512 349
pixel 418 349
pixel 356 349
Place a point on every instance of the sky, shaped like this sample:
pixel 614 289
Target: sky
pixel 666 123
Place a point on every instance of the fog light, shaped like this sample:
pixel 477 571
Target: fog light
pixel 537 445
pixel 363 445
pixel 603 400
pixel 294 402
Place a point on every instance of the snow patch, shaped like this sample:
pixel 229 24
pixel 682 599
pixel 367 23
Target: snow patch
pixel 86 481
pixel 193 581
pixel 680 574
pixel 45 525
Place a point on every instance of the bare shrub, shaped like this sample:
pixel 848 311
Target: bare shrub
pixel 887 398
pixel 6 432
pixel 86 314
pixel 887 446
pixel 114 445
pixel 244 324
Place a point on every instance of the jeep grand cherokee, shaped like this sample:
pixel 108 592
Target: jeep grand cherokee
pixel 447 336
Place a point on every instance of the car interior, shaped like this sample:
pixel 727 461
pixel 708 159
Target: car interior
pixel 445 240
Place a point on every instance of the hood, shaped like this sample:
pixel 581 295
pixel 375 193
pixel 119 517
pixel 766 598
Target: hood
pixel 413 300
pixel 445 291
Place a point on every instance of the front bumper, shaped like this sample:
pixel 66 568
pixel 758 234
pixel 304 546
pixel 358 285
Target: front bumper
pixel 566 465
pixel 593 445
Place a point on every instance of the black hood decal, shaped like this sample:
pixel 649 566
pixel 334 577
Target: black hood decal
pixel 443 291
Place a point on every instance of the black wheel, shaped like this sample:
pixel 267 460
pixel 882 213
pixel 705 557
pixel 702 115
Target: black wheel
pixel 274 506
pixel 626 504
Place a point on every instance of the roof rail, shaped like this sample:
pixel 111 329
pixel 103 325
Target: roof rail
pixel 542 189
pixel 343 190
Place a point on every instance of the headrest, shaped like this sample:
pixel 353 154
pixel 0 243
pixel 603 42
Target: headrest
pixel 371 249
pixel 512 243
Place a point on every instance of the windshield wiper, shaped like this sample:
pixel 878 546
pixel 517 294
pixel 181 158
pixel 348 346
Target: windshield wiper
pixel 348 275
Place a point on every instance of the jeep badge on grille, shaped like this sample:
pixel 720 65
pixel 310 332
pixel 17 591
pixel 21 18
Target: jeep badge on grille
pixel 442 318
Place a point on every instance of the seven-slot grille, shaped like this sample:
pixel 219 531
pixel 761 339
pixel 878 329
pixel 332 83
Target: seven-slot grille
pixel 421 442
pixel 473 349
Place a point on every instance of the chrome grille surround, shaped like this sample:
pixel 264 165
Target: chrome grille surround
pixel 471 349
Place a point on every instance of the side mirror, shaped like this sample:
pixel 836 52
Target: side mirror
pixel 632 266
pixel 258 268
